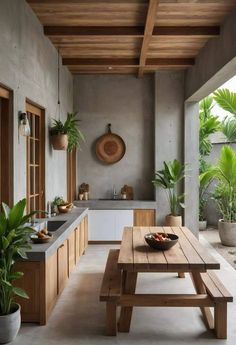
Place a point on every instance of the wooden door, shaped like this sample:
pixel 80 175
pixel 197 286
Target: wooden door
pixel 35 146
pixel 62 266
pixel 144 217
pixel 51 292
pixel 6 147
pixel 71 252
pixel 71 175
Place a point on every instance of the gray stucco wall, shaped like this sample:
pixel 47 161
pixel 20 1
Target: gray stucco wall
pixel 28 66
pixel 169 127
pixel 128 104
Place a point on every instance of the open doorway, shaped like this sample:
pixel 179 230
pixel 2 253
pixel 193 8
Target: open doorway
pixel 6 180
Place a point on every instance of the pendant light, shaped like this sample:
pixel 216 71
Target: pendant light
pixel 24 127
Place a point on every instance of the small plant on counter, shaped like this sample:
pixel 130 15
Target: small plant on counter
pixel 14 236
pixel 58 200
pixel 169 179
pixel 66 136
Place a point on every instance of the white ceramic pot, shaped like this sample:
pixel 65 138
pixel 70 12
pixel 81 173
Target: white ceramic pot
pixel 227 233
pixel 202 225
pixel 173 220
pixel 10 325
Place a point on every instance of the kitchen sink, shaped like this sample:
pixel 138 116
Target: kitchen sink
pixel 54 225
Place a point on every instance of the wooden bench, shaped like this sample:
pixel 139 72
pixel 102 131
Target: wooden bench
pixel 221 296
pixel 111 291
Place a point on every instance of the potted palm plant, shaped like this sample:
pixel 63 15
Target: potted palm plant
pixel 225 194
pixel 169 179
pixel 14 235
pixel 66 136
pixel 204 181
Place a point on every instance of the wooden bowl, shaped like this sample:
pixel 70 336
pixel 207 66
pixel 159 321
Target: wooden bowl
pixel 65 208
pixel 37 240
pixel 161 245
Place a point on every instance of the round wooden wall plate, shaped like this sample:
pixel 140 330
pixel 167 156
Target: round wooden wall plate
pixel 110 148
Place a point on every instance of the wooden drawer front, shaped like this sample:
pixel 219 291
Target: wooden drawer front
pixel 71 252
pixel 82 237
pixel 77 244
pixel 62 266
pixel 33 283
pixel 85 232
pixel 51 283
pixel 144 217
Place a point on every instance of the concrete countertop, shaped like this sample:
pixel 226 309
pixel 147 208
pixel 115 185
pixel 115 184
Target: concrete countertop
pixel 40 252
pixel 100 204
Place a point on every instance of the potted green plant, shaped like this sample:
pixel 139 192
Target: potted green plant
pixel 66 136
pixel 225 194
pixel 14 235
pixel 169 179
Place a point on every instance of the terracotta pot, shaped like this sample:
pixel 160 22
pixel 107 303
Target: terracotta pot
pixel 173 220
pixel 202 225
pixel 227 233
pixel 59 141
pixel 10 325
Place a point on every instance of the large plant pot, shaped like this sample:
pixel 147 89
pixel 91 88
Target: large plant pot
pixel 10 325
pixel 59 141
pixel 227 232
pixel 173 220
pixel 202 225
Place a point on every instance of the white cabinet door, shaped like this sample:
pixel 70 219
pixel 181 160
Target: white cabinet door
pixel 123 218
pixel 102 226
pixel 108 225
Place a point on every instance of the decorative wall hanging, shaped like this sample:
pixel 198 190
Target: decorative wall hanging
pixel 110 147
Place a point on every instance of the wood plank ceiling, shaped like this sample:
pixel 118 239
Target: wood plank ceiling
pixel 130 36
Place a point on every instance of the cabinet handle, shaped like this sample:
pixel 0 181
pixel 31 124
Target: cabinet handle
pixel 62 246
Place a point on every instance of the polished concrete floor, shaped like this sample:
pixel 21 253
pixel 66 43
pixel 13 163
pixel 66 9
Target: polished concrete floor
pixel 79 317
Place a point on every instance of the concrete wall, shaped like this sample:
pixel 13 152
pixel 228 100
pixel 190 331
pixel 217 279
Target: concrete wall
pixel 128 104
pixel 169 127
pixel 215 64
pixel 28 66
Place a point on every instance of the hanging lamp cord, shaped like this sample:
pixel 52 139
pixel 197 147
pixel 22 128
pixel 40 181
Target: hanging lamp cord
pixel 58 83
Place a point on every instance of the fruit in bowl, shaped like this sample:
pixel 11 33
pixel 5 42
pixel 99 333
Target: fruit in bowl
pixel 161 240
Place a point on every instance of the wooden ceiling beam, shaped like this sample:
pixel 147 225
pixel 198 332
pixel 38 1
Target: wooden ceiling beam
pixel 149 26
pixel 135 31
pixel 128 62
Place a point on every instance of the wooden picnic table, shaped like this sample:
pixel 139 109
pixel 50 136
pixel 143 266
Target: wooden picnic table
pixel 188 255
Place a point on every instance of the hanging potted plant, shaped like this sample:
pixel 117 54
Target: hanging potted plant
pixel 169 179
pixel 66 136
pixel 225 194
pixel 14 237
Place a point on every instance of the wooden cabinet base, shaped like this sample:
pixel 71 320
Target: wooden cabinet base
pixel 45 280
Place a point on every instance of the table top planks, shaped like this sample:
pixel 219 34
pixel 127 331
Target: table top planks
pixel 187 255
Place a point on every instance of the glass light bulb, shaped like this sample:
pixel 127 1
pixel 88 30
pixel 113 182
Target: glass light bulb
pixel 24 128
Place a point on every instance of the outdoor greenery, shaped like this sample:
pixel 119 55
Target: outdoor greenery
pixel 14 237
pixel 71 128
pixel 169 179
pixel 225 174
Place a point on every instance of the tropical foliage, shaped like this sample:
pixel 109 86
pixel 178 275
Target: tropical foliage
pixel 208 124
pixel 225 174
pixel 228 128
pixel 14 237
pixel 169 179
pixel 204 182
pixel 71 128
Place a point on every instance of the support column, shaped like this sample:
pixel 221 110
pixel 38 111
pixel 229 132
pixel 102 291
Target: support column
pixel 191 158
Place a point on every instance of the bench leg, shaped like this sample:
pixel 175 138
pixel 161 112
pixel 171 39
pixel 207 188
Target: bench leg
pixel 129 286
pixel 111 323
pixel 181 275
pixel 200 289
pixel 221 320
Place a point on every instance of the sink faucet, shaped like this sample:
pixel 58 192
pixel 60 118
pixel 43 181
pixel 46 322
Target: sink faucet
pixel 114 192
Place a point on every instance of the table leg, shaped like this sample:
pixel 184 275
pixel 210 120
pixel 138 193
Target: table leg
pixel 129 285
pixel 200 289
